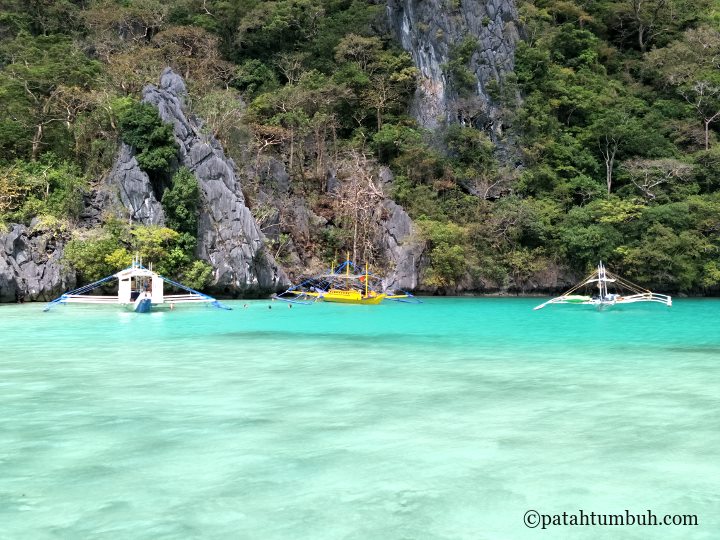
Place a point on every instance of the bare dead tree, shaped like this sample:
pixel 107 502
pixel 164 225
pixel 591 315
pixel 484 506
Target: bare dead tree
pixel 291 66
pixel 703 96
pixel 649 174
pixel 264 137
pixel 490 185
pixel 356 202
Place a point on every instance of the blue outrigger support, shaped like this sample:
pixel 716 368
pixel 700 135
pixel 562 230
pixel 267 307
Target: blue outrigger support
pixel 411 299
pixel 143 307
pixel 299 299
pixel 214 302
pixel 80 290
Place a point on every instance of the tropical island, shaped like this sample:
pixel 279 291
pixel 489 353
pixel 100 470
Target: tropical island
pixel 455 146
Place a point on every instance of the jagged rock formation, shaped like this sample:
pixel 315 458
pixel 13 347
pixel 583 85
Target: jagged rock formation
pixel 95 204
pixel 402 245
pixel 430 29
pixel 228 236
pixel 132 186
pixel 30 267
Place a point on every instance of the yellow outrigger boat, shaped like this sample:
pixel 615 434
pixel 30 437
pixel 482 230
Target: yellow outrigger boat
pixel 342 285
pixel 348 297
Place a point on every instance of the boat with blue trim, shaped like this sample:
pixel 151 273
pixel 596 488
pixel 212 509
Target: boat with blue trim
pixel 139 289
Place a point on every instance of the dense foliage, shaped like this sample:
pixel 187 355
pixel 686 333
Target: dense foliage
pixel 152 140
pixel 181 202
pixel 100 252
pixel 611 151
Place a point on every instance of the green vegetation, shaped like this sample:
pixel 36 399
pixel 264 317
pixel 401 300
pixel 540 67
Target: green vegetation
pixel 101 252
pixel 610 153
pixel 45 187
pixel 181 201
pixel 152 140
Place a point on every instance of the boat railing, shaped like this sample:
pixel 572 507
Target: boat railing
pixel 87 299
pixel 647 297
pixel 181 298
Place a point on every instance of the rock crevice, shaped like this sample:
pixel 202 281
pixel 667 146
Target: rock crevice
pixel 430 30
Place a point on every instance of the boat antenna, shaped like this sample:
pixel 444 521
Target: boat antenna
pixel 602 281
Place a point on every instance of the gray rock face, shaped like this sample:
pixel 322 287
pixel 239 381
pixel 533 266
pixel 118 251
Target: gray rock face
pixel 30 266
pixel 273 176
pixel 228 236
pixel 402 246
pixel 95 203
pixel 429 29
pixel 132 187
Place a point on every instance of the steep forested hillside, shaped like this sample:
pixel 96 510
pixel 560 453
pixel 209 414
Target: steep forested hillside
pixel 608 148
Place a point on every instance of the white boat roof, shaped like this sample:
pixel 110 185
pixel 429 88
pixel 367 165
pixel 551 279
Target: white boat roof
pixel 135 271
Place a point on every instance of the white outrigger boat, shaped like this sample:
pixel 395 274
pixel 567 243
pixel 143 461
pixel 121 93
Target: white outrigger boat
pixel 140 290
pixel 626 292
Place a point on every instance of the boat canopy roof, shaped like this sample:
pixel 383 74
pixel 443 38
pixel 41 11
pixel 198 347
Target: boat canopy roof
pixel 152 279
pixel 135 271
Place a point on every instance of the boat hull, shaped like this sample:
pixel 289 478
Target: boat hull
pixel 370 301
pixel 142 305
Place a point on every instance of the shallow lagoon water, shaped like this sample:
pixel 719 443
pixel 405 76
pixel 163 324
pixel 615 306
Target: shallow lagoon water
pixel 445 420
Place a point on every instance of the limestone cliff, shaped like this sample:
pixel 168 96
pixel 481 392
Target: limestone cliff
pixel 403 247
pixel 228 236
pixel 30 267
pixel 432 30
pixel 133 190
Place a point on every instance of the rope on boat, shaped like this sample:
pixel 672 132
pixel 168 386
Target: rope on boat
pixel 620 283
pixel 290 301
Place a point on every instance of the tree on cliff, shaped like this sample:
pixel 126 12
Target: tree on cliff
pixel 153 140
pixel 40 79
pixel 355 203
pixel 692 66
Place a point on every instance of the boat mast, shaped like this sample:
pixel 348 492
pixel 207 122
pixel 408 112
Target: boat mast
pixel 602 281
pixel 366 279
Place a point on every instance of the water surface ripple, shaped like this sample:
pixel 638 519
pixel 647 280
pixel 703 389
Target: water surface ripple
pixel 446 420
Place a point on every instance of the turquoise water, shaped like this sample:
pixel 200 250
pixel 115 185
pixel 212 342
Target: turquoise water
pixel 446 420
